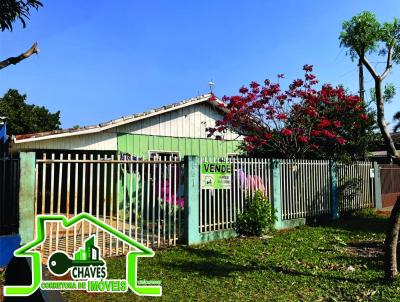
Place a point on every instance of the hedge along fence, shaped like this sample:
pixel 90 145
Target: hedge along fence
pixel 298 189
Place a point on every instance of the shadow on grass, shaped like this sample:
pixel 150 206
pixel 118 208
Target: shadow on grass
pixel 365 256
pixel 355 223
pixel 205 253
pixel 211 263
pixel 210 268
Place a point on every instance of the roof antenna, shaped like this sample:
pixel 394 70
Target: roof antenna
pixel 212 85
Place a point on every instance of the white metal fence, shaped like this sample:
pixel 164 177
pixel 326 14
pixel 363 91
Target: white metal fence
pixel 355 186
pixel 219 207
pixel 305 189
pixel 143 199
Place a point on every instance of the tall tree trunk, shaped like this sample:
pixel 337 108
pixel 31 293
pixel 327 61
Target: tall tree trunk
pixel 361 79
pixel 391 241
pixel 380 112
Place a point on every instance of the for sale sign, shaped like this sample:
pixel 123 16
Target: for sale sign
pixel 216 175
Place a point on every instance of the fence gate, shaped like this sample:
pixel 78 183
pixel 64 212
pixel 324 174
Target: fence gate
pixel 9 180
pixel 390 184
pixel 142 199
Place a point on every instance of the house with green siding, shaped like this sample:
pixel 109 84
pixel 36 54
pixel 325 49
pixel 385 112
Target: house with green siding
pixel 175 130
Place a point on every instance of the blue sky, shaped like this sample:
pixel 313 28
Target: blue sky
pixel 100 60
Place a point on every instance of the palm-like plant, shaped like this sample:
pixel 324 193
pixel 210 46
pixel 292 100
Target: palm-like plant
pixel 397 118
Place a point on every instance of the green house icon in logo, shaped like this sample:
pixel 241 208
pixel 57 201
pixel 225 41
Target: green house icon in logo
pixel 89 255
pixel 59 263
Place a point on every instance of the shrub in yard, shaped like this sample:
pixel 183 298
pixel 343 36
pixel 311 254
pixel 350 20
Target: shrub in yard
pixel 257 217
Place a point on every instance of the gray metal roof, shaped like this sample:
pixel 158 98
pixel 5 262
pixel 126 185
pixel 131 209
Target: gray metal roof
pixel 122 120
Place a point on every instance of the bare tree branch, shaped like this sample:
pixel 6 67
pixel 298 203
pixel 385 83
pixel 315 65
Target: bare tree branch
pixel 15 60
pixel 388 64
pixel 369 67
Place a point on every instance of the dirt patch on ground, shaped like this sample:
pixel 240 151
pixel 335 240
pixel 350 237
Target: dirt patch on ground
pixel 365 249
pixel 385 211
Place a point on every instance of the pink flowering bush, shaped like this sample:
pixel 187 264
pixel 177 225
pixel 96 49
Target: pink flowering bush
pixel 172 199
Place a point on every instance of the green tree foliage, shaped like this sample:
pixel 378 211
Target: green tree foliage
pixel 12 10
pixel 24 118
pixel 388 93
pixel 360 35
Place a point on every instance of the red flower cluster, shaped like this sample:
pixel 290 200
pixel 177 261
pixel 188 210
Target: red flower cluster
pixel 281 116
pixel 286 132
pixel 303 139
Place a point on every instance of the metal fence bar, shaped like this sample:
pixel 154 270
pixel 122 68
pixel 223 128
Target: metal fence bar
pixel 159 212
pixel 142 206
pixel 76 182
pixel 112 204
pixel 60 171
pixel 153 204
pixel 165 202
pixel 83 197
pixel 117 205
pixel 136 200
pixel 90 191
pixel 105 205
pixel 175 203
pixel 171 178
pixel 98 194
pixel 202 223
pixel 130 201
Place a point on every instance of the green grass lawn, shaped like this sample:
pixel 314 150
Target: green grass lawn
pixel 336 261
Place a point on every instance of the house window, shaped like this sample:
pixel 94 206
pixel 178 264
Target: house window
pixel 233 156
pixel 163 155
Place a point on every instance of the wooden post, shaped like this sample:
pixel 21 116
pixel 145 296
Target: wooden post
pixel 334 193
pixel 192 192
pixel 377 187
pixel 27 196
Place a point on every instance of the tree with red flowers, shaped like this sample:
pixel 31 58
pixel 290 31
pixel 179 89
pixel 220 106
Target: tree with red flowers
pixel 300 122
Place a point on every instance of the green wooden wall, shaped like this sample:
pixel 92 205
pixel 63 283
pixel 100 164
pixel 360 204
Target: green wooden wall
pixel 140 145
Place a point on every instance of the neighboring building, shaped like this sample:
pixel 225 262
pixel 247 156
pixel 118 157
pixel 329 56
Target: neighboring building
pixel 178 129
pixel 389 172
pixel 380 154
